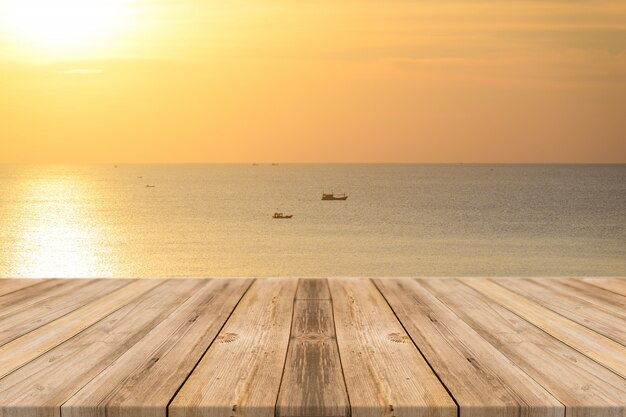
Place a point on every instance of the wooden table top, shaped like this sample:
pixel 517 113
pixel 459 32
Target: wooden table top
pixel 306 347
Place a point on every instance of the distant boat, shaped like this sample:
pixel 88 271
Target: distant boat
pixel 274 165
pixel 149 186
pixel 279 215
pixel 332 196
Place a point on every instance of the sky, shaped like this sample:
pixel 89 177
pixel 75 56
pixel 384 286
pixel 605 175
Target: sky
pixel 373 81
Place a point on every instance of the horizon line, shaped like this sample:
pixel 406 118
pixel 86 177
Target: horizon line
pixel 312 163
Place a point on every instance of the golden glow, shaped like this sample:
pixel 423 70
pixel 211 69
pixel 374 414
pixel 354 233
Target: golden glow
pixel 114 81
pixel 57 236
pixel 65 28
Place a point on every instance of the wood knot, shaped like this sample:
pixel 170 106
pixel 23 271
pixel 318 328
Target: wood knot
pixel 313 338
pixel 227 337
pixel 398 337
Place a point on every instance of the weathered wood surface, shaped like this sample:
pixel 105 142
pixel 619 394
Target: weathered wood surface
pixel 40 387
pixel 482 380
pixel 11 285
pixel 594 345
pixel 313 383
pixel 565 302
pixel 313 348
pixel 40 304
pixel 15 301
pixel 145 378
pixel 593 294
pixel 240 374
pixel 583 386
pixel 31 345
pixel 616 285
pixel 313 289
pixel 385 373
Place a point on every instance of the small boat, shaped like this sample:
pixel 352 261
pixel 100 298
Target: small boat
pixel 332 196
pixel 149 186
pixel 279 215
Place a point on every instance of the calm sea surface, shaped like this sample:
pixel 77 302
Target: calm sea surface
pixel 399 220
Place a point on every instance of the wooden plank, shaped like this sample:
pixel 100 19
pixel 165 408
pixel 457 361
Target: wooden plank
pixel 40 387
pixel 384 372
pixel 552 296
pixel 10 285
pixel 481 379
pixel 142 381
pixel 312 289
pixel 616 285
pixel 312 383
pixel 241 372
pixel 26 297
pixel 585 387
pixel 31 345
pixel 20 318
pixel 600 348
pixel 596 295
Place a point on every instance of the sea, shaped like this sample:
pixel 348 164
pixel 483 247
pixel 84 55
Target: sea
pixel 398 221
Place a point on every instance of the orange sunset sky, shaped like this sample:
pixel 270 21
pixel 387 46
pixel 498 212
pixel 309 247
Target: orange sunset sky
pixel 115 81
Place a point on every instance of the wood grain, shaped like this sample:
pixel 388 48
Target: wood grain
pixel 313 289
pixel 31 345
pixel 616 285
pixel 585 387
pixel 40 387
pixel 142 381
pixel 10 285
pixel 46 305
pixel 22 299
pixel 241 372
pixel 593 294
pixel 384 372
pixel 482 380
pixel 553 296
pixel 313 383
pixel 597 347
pixel 312 347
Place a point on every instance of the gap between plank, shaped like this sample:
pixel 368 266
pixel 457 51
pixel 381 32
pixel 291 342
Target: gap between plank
pixel 462 282
pixel 69 312
pixel 343 375
pixel 282 375
pixel 83 330
pixel 548 333
pixel 167 407
pixel 458 408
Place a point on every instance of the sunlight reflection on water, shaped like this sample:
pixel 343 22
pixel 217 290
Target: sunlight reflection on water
pixel 399 220
pixel 58 237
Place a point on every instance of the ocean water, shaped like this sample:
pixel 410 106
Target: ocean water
pixel 399 220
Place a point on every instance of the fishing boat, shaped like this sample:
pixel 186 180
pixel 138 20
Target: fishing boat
pixel 332 196
pixel 279 215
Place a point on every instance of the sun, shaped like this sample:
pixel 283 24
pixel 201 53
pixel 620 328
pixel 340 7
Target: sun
pixel 65 28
